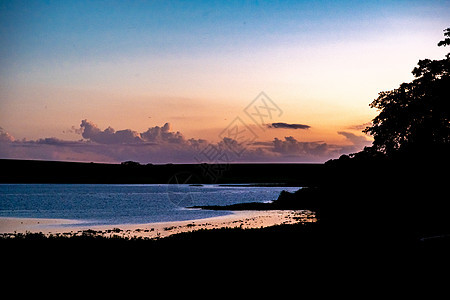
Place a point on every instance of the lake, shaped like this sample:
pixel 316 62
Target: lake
pixel 109 204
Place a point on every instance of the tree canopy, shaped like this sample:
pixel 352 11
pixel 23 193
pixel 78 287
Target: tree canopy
pixel 417 114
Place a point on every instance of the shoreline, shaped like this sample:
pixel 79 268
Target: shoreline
pixel 237 219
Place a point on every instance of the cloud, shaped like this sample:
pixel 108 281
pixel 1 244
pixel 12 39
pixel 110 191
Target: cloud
pixel 358 141
pixel 290 146
pixel 161 144
pixel 153 135
pixel 288 126
pixel 360 127
pixel 163 134
pixel 5 137
pixel 109 135
pixel 55 142
pixel 158 144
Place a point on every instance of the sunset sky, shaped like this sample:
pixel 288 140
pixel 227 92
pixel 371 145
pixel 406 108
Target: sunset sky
pixel 182 81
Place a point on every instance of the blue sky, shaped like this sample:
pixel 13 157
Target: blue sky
pixel 95 29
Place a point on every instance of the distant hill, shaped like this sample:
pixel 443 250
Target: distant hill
pixel 34 171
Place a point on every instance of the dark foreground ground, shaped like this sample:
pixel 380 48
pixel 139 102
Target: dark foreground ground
pixel 280 260
pixel 284 258
pixel 305 244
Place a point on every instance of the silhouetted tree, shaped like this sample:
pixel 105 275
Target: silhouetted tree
pixel 130 163
pixel 417 114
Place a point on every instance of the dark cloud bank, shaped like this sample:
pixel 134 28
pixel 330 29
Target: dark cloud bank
pixel 160 144
pixel 288 126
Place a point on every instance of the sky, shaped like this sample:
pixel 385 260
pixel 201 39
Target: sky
pixel 203 81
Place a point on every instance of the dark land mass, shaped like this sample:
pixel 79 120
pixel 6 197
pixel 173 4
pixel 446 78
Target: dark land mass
pixel 404 197
pixel 32 171
pixel 305 198
pixel 370 212
pixel 376 205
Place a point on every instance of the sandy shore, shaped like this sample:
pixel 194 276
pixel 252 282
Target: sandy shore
pixel 243 219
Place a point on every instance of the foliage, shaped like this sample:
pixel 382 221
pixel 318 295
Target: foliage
pixel 417 114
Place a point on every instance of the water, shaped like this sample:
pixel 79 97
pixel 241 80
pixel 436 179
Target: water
pixel 108 204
